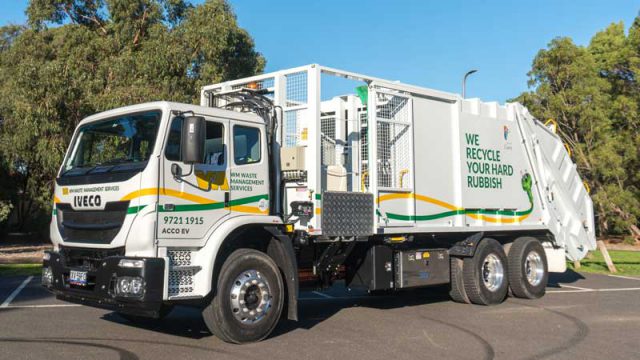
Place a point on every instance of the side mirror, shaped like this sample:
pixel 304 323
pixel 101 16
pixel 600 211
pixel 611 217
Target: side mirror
pixel 193 138
pixel 176 170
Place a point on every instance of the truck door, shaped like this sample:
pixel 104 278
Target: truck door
pixel 190 205
pixel 249 170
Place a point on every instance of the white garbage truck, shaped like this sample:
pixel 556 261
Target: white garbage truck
pixel 299 178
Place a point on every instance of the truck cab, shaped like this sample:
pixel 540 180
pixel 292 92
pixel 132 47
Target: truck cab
pixel 124 189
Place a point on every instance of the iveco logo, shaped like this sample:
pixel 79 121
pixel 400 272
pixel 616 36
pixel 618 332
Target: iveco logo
pixel 87 201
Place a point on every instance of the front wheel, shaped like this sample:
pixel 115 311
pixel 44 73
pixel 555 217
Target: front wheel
pixel 248 298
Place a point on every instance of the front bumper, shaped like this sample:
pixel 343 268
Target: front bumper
pixel 101 282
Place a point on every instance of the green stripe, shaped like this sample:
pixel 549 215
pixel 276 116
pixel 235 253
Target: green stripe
pixel 460 212
pixel 318 197
pixel 135 209
pixel 248 200
pixel 216 205
pixel 456 212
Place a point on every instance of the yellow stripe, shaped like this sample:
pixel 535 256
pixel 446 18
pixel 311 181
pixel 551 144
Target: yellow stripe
pixel 318 211
pixel 417 197
pixel 437 202
pixel 167 192
pixel 56 199
pixel 448 206
pixel 498 220
pixel 248 209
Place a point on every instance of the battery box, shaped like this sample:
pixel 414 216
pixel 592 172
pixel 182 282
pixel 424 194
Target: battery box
pixel 414 268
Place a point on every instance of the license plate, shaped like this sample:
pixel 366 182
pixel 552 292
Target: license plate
pixel 78 277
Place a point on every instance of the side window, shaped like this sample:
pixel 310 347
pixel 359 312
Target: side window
pixel 172 151
pixel 246 145
pixel 213 146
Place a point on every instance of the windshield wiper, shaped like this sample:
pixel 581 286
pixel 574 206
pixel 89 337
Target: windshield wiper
pixel 117 161
pixel 92 166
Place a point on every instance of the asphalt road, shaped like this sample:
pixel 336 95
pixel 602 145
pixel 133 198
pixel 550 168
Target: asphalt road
pixel 583 316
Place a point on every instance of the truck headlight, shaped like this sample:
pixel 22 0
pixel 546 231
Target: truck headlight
pixel 47 276
pixel 129 286
pixel 46 256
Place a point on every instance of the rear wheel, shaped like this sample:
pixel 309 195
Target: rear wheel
pixel 456 290
pixel 528 269
pixel 248 300
pixel 484 274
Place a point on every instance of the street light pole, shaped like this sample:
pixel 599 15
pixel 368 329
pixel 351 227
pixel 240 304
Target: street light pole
pixel 464 81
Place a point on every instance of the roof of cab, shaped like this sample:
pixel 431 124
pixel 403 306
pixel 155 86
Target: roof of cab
pixel 170 106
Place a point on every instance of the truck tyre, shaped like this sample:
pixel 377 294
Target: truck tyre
pixel 485 274
pixel 528 269
pixel 456 290
pixel 248 299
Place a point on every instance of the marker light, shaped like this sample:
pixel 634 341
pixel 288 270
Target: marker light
pixel 131 263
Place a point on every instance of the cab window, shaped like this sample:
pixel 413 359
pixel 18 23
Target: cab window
pixel 246 145
pixel 214 153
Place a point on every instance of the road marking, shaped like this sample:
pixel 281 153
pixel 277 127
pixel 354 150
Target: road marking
pixel 323 295
pixel 40 306
pixel 592 290
pixel 573 287
pixel 625 277
pixel 15 292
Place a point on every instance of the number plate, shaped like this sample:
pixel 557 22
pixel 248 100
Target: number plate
pixel 78 277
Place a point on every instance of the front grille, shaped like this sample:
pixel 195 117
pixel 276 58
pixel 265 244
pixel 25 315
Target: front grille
pixel 180 257
pixel 91 226
pixel 87 259
pixel 181 282
pixel 181 273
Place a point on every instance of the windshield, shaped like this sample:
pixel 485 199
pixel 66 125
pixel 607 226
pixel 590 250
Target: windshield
pixel 119 144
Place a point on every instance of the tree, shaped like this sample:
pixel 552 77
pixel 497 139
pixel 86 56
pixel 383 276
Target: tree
pixel 79 57
pixel 592 92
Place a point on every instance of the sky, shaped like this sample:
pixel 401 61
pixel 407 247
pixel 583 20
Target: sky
pixel 426 43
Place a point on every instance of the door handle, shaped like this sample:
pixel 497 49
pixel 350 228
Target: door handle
pixel 227 199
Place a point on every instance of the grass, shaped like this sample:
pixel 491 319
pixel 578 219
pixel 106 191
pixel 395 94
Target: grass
pixel 627 262
pixel 20 269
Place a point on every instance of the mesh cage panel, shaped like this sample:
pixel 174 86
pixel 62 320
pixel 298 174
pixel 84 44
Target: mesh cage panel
pixel 364 147
pixel 328 153
pixel 296 89
pixel 328 126
pixel 393 136
pixel 328 139
pixel 291 133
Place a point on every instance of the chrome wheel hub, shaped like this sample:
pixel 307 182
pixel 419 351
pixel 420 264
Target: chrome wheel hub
pixel 492 272
pixel 250 297
pixel 534 268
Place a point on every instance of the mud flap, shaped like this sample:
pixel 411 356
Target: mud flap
pixel 281 251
